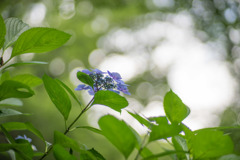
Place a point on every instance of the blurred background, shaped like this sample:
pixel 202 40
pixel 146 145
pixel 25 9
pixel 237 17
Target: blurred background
pixel 190 46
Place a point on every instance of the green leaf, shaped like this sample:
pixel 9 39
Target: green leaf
pixel 65 141
pixel 95 130
pixel 85 78
pixel 161 155
pixel 28 79
pixel 22 149
pixel 15 102
pixel 163 129
pixel 39 40
pixel 141 120
pixel 230 157
pixel 8 136
pixel 15 27
pixel 175 109
pixel 211 144
pixel 14 89
pixel 2 31
pixel 118 133
pixel 69 91
pixel 91 154
pixel 61 154
pixel 180 144
pixel 4 76
pixel 146 153
pixel 9 112
pixel 110 99
pixel 58 96
pixel 24 63
pixel 10 126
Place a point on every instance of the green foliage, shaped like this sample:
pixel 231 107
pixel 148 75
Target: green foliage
pixel 14 89
pixel 163 129
pixel 175 109
pixel 85 78
pixel 118 133
pixel 39 40
pixel 15 27
pixel 58 96
pixel 110 99
pixel 208 143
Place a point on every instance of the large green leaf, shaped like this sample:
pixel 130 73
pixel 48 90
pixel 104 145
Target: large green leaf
pixel 10 126
pixel 65 141
pixel 110 99
pixel 211 144
pixel 5 112
pixel 61 154
pixel 39 40
pixel 4 76
pixel 14 89
pixel 163 129
pixel 95 130
pixel 2 31
pixel 175 109
pixel 58 96
pixel 15 27
pixel 28 79
pixel 118 133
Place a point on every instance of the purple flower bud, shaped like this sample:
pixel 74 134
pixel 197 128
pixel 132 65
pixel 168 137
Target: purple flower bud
pixel 98 71
pixel 123 88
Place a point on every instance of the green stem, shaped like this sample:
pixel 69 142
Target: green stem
pixel 69 127
pixel 142 146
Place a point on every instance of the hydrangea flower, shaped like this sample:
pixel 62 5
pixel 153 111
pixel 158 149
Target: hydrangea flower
pixel 111 81
pixel 24 137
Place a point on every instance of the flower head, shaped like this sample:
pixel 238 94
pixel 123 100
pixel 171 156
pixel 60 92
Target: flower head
pixel 104 81
pixel 24 137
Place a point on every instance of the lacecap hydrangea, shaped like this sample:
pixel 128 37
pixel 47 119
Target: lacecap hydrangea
pixel 111 81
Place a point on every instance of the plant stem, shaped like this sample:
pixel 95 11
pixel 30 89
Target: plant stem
pixel 69 127
pixel 142 146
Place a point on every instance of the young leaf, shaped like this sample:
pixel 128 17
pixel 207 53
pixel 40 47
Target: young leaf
pixel 211 144
pixel 163 129
pixel 61 154
pixel 118 133
pixel 175 109
pixel 9 112
pixel 58 96
pixel 110 99
pixel 39 40
pixel 85 78
pixel 14 89
pixel 10 126
pixel 65 141
pixel 15 102
pixel 2 31
pixel 15 27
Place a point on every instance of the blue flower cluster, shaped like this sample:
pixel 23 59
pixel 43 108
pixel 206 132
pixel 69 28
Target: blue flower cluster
pixel 111 81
